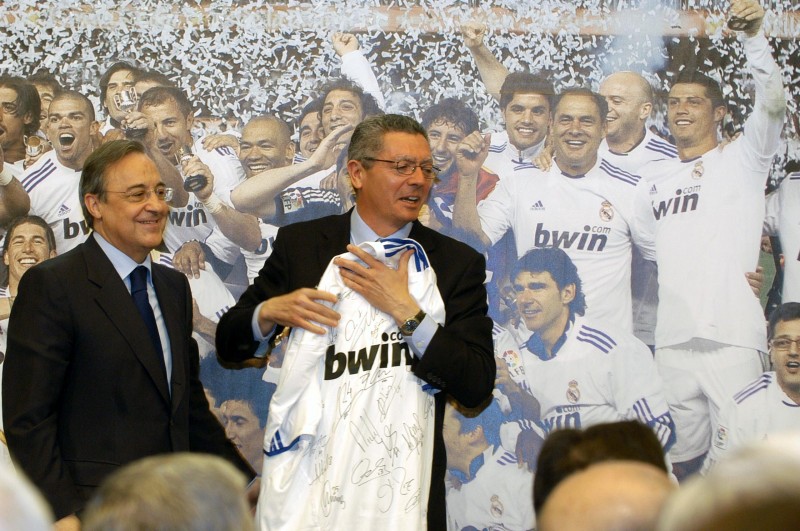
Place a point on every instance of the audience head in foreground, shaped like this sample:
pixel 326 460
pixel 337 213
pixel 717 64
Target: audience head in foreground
pixel 171 493
pixel 614 495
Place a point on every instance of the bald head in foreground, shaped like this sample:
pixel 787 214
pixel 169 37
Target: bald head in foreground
pixel 615 495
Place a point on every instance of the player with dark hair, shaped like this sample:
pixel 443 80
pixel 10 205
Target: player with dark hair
pixel 710 333
pixel 582 372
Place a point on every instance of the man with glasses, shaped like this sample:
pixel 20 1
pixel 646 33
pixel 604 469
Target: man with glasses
pixel 770 404
pixel 101 368
pixel 392 171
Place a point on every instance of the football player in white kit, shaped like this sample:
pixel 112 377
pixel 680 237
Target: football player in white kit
pixel 581 371
pixel 19 117
pixel 708 206
pixel 166 113
pixel 52 182
pixel 29 241
pixel 582 204
pixel 781 220
pixel 629 145
pixel 770 404
pixel 486 487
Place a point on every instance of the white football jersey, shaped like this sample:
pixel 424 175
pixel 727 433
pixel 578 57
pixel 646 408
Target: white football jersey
pixel 708 214
pixel 759 410
pixel 590 217
pixel 783 220
pixel 597 375
pixel 498 494
pixel 504 158
pixel 644 274
pixel 53 191
pixel 349 438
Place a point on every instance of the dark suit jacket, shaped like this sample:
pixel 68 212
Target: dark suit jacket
pixel 459 359
pixel 83 392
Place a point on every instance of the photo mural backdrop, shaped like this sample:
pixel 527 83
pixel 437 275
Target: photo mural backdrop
pixel 239 59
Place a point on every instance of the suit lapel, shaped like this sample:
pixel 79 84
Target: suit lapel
pixel 171 310
pixel 335 237
pixel 115 300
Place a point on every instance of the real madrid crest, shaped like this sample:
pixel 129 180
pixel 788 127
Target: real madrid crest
pixel 573 393
pixel 698 170
pixel 497 506
pixel 606 211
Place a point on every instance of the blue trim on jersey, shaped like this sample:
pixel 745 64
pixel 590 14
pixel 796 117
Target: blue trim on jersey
pixel 498 148
pixel 35 178
pixel 276 446
pixel 393 246
pixel 790 404
pixel 507 459
pixel 660 146
pixel 759 384
pixel 225 151
pixel 525 166
pixel 619 174
pixel 599 339
pixel 474 466
pixel 536 346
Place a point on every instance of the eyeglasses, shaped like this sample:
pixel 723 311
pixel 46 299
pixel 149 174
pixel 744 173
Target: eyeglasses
pixel 784 344
pixel 140 196
pixel 406 167
pixel 9 107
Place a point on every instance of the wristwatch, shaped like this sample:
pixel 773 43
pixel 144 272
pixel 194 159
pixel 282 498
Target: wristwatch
pixel 411 324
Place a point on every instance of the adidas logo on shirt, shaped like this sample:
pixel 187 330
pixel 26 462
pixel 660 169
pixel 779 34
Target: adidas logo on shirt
pixel 63 210
pixel 538 205
pixel 653 189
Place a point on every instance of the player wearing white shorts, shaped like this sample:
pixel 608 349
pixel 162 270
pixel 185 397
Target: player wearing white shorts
pixel 770 404
pixel 582 204
pixel 709 209
pixel 582 373
pixel 781 220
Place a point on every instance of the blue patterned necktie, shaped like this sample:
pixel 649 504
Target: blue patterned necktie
pixel 139 293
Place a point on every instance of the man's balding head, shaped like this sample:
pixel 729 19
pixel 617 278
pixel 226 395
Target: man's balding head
pixel 615 495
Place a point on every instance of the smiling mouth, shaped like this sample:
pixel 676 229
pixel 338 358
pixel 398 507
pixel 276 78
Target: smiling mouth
pixel 257 167
pixel 28 261
pixel 66 139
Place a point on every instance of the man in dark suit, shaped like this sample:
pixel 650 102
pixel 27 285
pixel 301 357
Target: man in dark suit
pixel 391 170
pixel 101 368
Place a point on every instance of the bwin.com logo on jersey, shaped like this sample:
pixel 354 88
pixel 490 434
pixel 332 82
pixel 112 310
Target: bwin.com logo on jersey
pixel 538 205
pixel 63 210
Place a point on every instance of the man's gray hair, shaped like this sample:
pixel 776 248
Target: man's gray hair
pixel 367 139
pixel 172 492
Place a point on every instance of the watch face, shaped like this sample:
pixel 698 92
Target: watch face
pixel 409 327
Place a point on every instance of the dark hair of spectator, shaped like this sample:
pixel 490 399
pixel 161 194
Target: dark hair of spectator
pixel 367 139
pixel 525 83
pixel 451 111
pixel 43 77
pixel 96 166
pixel 153 76
pixel 75 95
pixel 556 262
pixel 313 106
pixel 162 95
pixel 788 311
pixel 567 451
pixel 106 77
pixel 599 101
pixel 713 90
pixel 28 102
pixel 369 105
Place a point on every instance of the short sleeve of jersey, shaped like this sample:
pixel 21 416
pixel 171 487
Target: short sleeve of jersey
pixel 495 210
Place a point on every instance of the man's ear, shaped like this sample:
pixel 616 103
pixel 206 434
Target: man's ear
pixel 92 203
pixel 356 171
pixel 568 294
